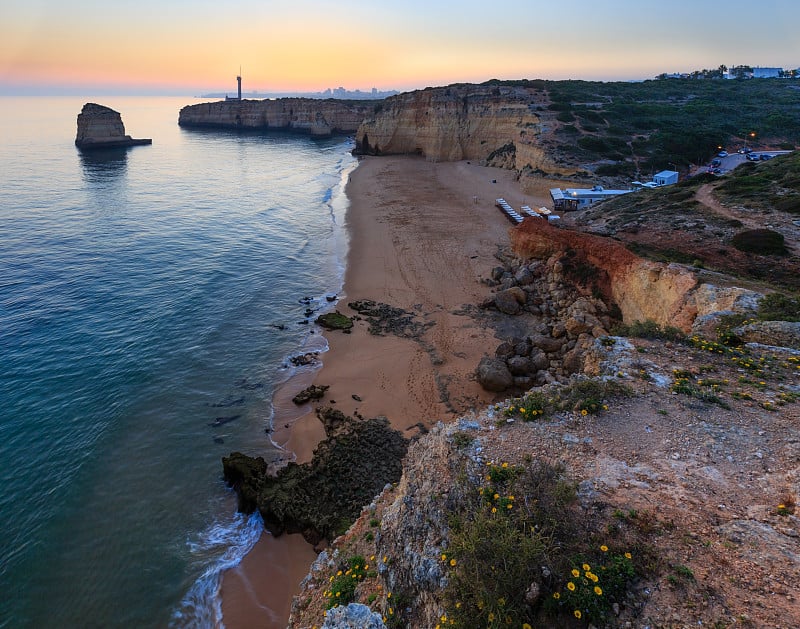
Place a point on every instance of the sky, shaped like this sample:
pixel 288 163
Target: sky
pixel 189 47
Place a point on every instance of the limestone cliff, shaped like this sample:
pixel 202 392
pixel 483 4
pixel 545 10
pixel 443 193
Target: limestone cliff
pixel 480 122
pixel 668 294
pixel 101 127
pixel 304 115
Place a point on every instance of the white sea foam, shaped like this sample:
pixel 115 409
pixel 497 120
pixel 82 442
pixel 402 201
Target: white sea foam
pixel 221 546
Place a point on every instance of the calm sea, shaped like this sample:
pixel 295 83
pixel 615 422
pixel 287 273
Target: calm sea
pixel 149 301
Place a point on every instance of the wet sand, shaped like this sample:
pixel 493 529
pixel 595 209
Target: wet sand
pixel 422 236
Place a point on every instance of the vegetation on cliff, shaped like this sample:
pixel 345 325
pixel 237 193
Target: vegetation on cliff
pixel 645 127
pixel 741 224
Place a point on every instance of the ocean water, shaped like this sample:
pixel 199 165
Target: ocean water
pixel 149 301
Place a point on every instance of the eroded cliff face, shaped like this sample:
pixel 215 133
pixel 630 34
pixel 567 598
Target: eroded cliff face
pixel 305 115
pixel 480 122
pixel 643 290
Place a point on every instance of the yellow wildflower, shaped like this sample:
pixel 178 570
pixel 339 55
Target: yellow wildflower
pixel 576 572
pixel 604 548
pixel 556 595
pixel 452 562
pixel 571 586
pixel 586 567
pixel 597 590
pixel 577 613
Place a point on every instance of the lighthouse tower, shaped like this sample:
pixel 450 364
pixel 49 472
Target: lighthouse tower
pixel 239 83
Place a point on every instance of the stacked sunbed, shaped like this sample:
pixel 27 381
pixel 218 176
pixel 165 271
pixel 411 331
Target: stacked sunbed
pixel 530 212
pixel 509 211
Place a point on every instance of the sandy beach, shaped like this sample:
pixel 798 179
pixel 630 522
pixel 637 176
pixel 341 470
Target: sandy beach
pixel 422 235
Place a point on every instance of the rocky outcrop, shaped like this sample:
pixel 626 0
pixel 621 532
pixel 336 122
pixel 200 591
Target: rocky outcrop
pixel 481 122
pixel 308 116
pixel 559 320
pixel 777 333
pixel 643 290
pixel 321 498
pixel 101 127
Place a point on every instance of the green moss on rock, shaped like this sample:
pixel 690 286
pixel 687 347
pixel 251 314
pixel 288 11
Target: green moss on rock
pixel 334 321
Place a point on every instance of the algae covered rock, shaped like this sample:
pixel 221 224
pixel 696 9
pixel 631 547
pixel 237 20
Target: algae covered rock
pixel 321 498
pixel 245 474
pixel 334 321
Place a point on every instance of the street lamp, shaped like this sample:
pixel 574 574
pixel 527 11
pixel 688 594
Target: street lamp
pixel 751 135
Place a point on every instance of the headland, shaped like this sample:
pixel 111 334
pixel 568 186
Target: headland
pixel 637 441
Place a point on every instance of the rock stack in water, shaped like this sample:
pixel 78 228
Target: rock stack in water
pixel 101 127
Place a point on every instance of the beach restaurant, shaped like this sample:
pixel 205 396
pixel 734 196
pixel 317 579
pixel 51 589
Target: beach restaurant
pixel 579 198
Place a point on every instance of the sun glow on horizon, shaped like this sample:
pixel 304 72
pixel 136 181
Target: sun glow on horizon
pixel 312 45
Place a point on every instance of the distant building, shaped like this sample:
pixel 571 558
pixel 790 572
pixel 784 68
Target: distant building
pixel 666 178
pixel 579 198
pixel 767 73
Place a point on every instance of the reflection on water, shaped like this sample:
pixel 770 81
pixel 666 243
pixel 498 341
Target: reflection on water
pixel 100 165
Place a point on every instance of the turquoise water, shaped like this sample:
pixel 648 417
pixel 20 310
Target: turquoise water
pixel 149 299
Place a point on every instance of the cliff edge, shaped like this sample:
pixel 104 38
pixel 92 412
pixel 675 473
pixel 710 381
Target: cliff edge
pixel 315 117
pixel 496 123
pixel 101 127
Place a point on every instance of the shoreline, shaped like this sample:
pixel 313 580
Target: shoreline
pixel 421 235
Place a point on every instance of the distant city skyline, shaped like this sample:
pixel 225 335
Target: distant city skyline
pixel 177 47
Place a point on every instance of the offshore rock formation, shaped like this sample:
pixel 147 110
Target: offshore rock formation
pixel 101 127
pixel 315 117
pixel 498 124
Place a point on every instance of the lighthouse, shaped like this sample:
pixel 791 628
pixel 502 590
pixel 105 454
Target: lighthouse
pixel 239 83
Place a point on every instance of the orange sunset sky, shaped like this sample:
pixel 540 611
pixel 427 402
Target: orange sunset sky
pixel 183 47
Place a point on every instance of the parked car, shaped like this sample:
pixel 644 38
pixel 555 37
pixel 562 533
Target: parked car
pixel 716 162
pixel 753 157
pixel 722 154
pixel 764 157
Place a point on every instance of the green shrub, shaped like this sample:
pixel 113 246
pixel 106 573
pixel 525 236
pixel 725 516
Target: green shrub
pixel 343 587
pixel 593 586
pixel 649 330
pixel 760 241
pixel 520 521
pixel 789 204
pixel 778 307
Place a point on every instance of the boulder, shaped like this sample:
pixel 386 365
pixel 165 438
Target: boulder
pixel 334 321
pixel 581 322
pixel 353 616
pixel 519 366
pixel 546 343
pixel 493 374
pixel 510 300
pixel 538 360
pixel 314 392
pixel 101 127
pixel 504 351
